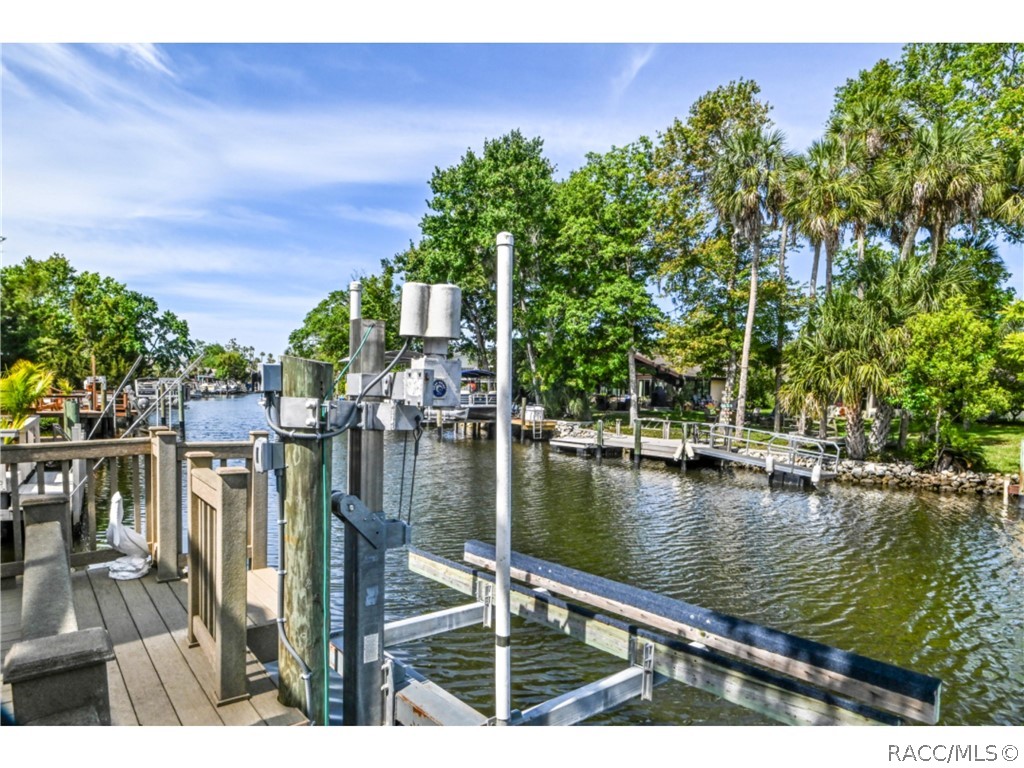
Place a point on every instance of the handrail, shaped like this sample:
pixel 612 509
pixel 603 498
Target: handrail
pixel 812 449
pixel 76 477
pixel 797 448
pixel 217 513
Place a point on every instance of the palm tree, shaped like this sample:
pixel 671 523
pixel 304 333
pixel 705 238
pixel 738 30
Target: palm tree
pixel 817 197
pixel 896 290
pixel 746 189
pixel 870 127
pixel 839 355
pixel 21 388
pixel 942 181
pixel 1008 195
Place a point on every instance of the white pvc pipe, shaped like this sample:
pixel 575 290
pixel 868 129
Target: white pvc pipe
pixel 503 500
pixel 355 300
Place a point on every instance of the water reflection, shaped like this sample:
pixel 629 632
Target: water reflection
pixel 934 583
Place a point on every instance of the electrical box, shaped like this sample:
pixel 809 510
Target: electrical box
pixel 417 387
pixel 270 377
pixel 439 379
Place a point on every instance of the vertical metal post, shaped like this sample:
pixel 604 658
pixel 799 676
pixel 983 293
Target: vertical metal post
pixel 181 411
pixel 503 500
pixel 363 630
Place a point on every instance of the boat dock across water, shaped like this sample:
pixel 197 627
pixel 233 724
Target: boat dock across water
pixel 778 454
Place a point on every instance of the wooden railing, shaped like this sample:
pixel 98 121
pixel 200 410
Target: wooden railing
pixel 217 513
pixel 88 455
pixel 154 503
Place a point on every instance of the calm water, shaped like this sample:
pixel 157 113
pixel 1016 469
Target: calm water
pixel 933 583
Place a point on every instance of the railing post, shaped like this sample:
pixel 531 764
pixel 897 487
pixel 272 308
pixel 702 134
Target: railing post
pixel 257 508
pixel 19 546
pixel 196 572
pixel 230 584
pixel 166 511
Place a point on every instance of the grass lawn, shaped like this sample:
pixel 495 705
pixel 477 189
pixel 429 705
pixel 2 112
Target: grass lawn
pixel 1000 445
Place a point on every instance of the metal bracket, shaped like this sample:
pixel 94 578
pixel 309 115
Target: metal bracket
pixel 391 417
pixel 339 412
pixel 380 532
pixel 647 683
pixel 486 596
pixel 299 412
pixel 388 690
pixel 356 384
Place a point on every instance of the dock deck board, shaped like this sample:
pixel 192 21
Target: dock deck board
pixel 155 678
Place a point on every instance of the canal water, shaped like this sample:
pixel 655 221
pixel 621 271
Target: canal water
pixel 930 582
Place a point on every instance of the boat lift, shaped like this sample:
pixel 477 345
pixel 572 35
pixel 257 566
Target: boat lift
pixel 784 677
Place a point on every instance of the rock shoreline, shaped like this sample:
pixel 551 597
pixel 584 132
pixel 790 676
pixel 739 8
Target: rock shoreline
pixel 906 476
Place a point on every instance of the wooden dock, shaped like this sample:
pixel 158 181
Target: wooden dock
pixel 775 453
pixel 156 678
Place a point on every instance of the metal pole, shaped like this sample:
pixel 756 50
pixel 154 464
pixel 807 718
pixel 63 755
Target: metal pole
pixel 363 629
pixel 503 500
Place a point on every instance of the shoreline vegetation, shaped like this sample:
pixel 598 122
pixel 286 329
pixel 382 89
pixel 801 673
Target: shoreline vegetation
pixel 675 246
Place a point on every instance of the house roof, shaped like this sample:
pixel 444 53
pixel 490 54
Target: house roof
pixel 661 369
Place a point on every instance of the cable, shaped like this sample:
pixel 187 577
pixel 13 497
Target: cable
pixel 351 359
pixel 417 433
pixel 353 419
pixel 401 484
pixel 326 585
pixel 382 374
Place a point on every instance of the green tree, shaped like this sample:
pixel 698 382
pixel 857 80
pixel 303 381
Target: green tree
pixel 942 181
pixel 951 358
pixel 596 305
pixel 1010 361
pixel 510 187
pixel 324 333
pixel 230 361
pixel 35 315
pixel 63 319
pixel 382 300
pixel 840 354
pixel 700 271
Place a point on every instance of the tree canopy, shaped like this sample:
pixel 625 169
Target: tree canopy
pixel 63 319
pixel 678 245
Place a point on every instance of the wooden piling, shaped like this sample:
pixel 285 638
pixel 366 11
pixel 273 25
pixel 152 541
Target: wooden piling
pixel 304 606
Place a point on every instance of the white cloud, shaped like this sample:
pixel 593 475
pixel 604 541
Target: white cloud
pixel 638 60
pixel 385 217
pixel 142 55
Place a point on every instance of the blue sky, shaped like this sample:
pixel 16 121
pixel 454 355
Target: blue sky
pixel 238 184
